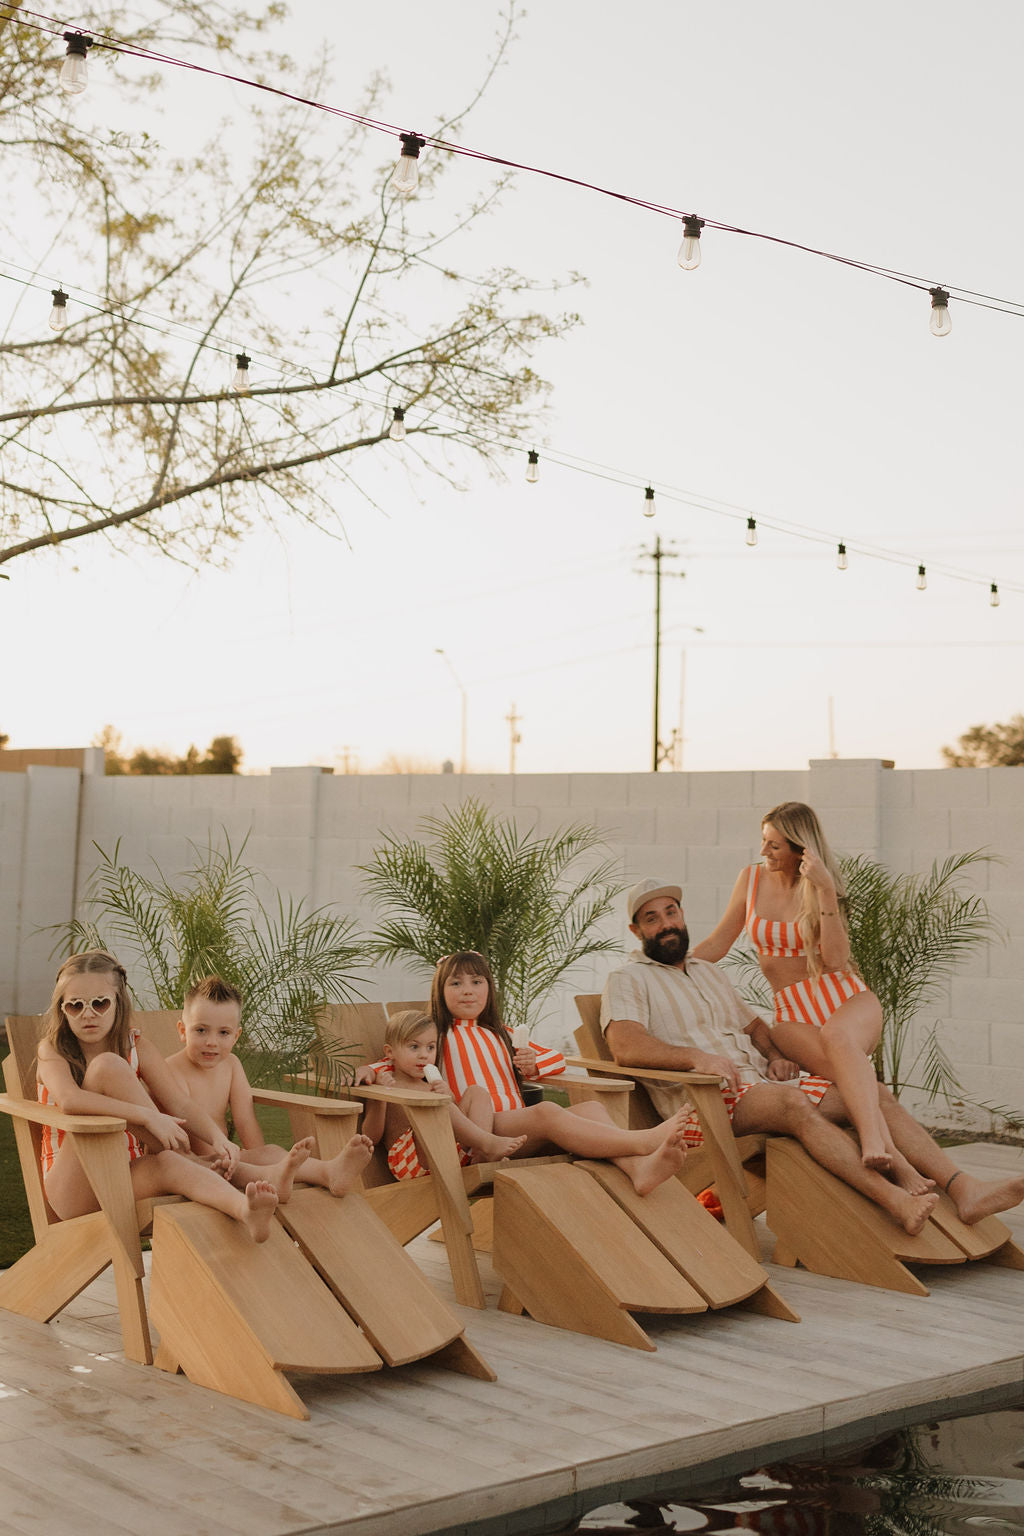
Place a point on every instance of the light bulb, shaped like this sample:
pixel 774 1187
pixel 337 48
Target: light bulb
pixel 751 531
pixel 841 560
pixel 649 507
pixel 74 75
pixel 59 312
pixel 532 467
pixel 993 596
pixel 940 323
pixel 922 579
pixel 406 177
pixel 396 431
pixel 240 382
pixel 689 251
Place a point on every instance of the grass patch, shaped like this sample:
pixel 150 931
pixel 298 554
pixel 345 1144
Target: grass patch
pixel 15 1224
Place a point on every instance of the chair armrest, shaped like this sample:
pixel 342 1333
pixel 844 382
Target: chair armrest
pixel 308 1101
pixel 48 1114
pixel 603 1084
pixel 642 1074
pixel 411 1096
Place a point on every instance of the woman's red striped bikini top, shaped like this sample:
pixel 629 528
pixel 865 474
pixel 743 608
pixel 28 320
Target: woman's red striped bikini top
pixel 772 940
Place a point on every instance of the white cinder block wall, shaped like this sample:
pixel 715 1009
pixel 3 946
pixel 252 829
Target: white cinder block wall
pixel 308 831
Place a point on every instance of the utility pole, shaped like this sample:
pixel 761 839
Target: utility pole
pixel 440 651
pixel 660 753
pixel 514 737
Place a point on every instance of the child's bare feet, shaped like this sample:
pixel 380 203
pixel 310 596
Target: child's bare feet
pixel 261 1203
pixel 282 1174
pixel 344 1170
pixel 977 1198
pixel 646 1173
pixel 912 1211
pixel 873 1155
pixel 493 1149
pixel 907 1177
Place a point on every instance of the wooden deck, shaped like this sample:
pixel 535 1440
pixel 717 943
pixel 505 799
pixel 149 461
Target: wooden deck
pixel 95 1446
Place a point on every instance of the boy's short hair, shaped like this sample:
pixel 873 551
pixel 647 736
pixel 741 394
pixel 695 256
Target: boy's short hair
pixel 213 989
pixel 402 1027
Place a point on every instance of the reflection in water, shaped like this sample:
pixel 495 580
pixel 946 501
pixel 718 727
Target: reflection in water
pixel 932 1480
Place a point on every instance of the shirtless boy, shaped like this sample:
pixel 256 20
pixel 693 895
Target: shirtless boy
pixel 210 1024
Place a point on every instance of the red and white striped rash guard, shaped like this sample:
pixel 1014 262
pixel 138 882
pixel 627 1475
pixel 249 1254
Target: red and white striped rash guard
pixel 473 1055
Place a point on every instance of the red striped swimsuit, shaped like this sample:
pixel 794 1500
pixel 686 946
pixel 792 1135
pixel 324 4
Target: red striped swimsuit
pixel 47 1150
pixel 806 1001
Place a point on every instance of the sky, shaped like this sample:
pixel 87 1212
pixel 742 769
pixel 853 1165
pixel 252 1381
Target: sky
pixel 767 383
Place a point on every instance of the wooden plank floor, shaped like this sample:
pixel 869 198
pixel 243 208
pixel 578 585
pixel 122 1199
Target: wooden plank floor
pixel 90 1443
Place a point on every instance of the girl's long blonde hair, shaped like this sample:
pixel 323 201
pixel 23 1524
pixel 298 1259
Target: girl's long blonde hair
pixel 58 1030
pixel 801 828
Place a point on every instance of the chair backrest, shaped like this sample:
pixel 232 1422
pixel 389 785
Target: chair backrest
pixel 358 1027
pixel 589 1038
pixel 161 1027
pixel 24 1032
pixel 419 1005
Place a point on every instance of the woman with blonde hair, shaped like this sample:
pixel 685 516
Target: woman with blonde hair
pixel 793 908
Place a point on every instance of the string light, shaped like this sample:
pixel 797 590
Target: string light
pixel 59 312
pixel 240 382
pixel 922 578
pixel 751 531
pixel 940 323
pixel 993 596
pixel 74 73
pixel 649 507
pixel 532 467
pixel 396 431
pixel 406 177
pixel 841 561
pixel 689 251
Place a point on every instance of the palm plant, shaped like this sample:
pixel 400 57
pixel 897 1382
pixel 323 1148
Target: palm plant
pixel 477 882
pixel 286 962
pixel 908 933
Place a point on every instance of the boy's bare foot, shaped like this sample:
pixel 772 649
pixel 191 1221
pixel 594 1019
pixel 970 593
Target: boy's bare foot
pixel 261 1203
pixel 282 1174
pixel 907 1177
pixel 977 1198
pixel 493 1149
pixel 912 1211
pixel 344 1170
pixel 646 1173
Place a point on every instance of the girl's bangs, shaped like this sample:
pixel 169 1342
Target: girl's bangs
pixel 469 960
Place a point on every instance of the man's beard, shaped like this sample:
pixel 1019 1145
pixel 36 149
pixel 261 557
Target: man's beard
pixel 669 947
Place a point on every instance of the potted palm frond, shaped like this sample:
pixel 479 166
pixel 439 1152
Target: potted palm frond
pixel 286 961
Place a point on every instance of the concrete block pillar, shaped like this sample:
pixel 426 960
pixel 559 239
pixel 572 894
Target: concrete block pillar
pixel 846 792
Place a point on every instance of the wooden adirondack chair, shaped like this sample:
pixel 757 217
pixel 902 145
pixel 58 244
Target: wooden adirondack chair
pixel 572 1243
pixel 232 1314
pixel 817 1220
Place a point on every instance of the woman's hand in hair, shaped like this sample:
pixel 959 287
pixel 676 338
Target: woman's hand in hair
pixel 814 871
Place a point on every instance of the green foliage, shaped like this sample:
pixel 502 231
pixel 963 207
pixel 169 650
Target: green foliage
pixel 909 933
pixel 477 882
pixel 989 746
pixel 286 962
pixel 223 755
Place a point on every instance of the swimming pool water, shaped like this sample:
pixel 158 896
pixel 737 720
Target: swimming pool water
pixel 958 1477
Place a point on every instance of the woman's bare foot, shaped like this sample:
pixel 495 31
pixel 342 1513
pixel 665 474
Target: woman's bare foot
pixel 907 1177
pixel 646 1173
pixel 343 1171
pixel 977 1198
pixel 261 1203
pixel 912 1211
pixel 493 1149
pixel 281 1174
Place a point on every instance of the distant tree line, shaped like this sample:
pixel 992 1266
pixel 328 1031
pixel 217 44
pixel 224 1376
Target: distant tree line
pixel 989 746
pixel 223 755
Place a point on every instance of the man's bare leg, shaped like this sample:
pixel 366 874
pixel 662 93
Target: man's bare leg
pixel 973 1198
pixel 777 1108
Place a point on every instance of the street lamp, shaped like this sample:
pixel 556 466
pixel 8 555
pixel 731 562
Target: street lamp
pixel 440 651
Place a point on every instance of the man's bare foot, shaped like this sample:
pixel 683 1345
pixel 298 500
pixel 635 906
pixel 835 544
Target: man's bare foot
pixel 912 1211
pixel 907 1177
pixel 261 1203
pixel 646 1173
pixel 343 1171
pixel 493 1149
pixel 977 1198
pixel 281 1174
